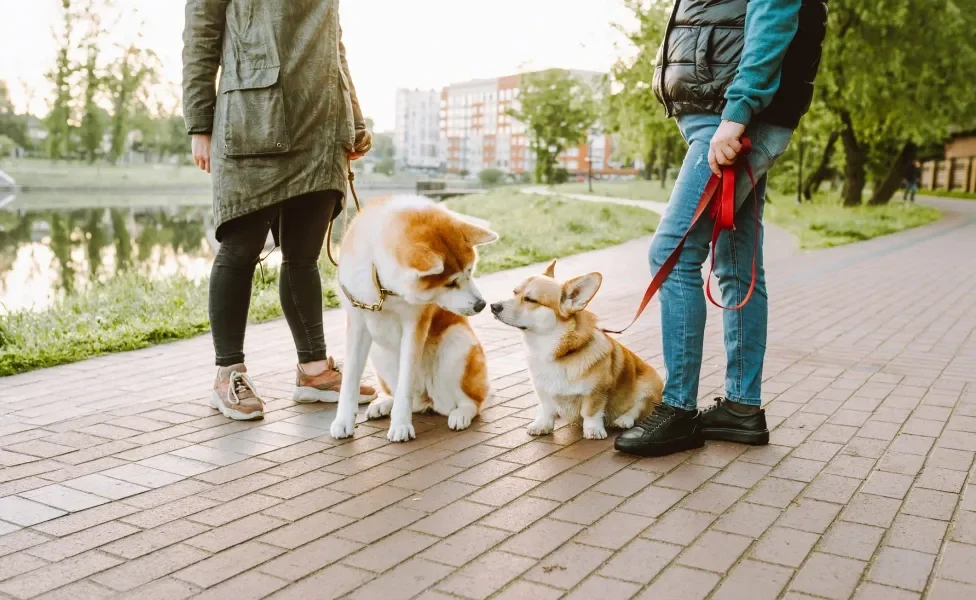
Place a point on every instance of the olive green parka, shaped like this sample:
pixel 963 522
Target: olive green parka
pixel 284 113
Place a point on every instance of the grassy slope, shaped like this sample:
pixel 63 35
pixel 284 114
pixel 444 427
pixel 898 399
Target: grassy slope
pixel 130 312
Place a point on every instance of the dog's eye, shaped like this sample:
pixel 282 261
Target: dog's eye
pixel 530 300
pixel 454 285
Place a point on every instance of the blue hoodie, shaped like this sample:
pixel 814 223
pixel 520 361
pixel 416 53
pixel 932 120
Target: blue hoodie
pixel 769 29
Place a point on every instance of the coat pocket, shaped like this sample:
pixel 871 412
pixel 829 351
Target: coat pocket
pixel 256 122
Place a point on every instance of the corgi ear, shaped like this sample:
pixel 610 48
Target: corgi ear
pixel 477 235
pixel 423 261
pixel 578 292
pixel 551 270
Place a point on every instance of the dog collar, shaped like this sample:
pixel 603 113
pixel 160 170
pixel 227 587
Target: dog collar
pixel 382 291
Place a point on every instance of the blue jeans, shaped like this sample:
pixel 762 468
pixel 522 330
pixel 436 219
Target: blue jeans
pixel 682 297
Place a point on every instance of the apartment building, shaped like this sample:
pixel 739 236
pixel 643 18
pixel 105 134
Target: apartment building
pixel 416 143
pixel 477 133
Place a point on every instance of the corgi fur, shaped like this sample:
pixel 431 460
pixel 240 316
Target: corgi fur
pixel 577 369
pixel 422 348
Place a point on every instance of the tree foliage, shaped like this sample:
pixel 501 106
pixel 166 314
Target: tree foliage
pixel 130 77
pixel 58 120
pixel 557 110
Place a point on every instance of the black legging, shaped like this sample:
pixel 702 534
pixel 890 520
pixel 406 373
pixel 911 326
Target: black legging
pixel 303 222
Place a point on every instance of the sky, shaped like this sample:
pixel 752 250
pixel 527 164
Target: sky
pixel 390 44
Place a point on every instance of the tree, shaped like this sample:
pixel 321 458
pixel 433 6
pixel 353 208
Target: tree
pixel 92 123
pixel 632 111
pixel 491 177
pixel 131 75
pixel 12 125
pixel 58 126
pixel 557 109
pixel 888 97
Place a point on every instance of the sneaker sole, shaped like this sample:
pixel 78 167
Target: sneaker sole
pixel 310 395
pixel 738 436
pixel 230 413
pixel 679 445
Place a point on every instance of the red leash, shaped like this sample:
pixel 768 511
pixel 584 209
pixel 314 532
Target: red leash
pixel 722 203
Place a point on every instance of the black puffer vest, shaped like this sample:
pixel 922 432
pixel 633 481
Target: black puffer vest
pixel 701 51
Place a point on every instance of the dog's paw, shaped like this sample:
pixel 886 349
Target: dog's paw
pixel 541 428
pixel 401 433
pixel 594 432
pixel 379 408
pixel 624 422
pixel 459 419
pixel 343 426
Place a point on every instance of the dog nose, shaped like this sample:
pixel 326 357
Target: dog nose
pixel 496 308
pixel 479 306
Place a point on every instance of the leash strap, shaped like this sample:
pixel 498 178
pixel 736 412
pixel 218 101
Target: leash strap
pixel 345 217
pixel 723 211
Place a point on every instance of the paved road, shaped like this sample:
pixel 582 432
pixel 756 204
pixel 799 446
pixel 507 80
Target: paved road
pixel 119 481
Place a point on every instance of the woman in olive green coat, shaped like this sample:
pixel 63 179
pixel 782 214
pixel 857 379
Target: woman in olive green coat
pixel 277 133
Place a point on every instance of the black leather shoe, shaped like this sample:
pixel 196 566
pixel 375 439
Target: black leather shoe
pixel 720 422
pixel 665 431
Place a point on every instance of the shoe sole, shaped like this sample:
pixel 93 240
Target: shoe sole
pixel 310 395
pixel 674 446
pixel 738 436
pixel 230 413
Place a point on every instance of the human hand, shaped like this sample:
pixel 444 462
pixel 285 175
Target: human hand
pixel 364 141
pixel 200 147
pixel 725 146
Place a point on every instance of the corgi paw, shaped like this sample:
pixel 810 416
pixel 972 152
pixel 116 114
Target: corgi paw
pixel 541 428
pixel 343 426
pixel 624 422
pixel 459 419
pixel 379 408
pixel 594 432
pixel 401 433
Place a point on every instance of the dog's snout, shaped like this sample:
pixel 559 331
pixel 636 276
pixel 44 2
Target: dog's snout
pixel 496 307
pixel 479 306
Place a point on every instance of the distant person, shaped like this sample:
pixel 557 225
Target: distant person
pixel 726 70
pixel 277 133
pixel 913 178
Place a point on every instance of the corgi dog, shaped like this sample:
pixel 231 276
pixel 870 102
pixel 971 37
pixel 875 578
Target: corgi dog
pixel 577 369
pixel 406 278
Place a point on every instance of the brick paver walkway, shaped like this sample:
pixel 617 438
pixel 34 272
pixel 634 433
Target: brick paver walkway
pixel 119 481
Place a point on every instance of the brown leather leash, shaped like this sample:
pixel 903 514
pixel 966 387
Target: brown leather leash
pixel 345 217
pixel 719 196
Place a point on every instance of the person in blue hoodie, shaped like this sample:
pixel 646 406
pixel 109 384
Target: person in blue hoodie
pixel 726 69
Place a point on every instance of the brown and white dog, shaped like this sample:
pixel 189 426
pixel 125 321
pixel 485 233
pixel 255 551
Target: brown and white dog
pixel 577 369
pixel 406 276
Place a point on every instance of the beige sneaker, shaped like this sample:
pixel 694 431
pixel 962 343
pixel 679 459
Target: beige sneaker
pixel 325 386
pixel 235 396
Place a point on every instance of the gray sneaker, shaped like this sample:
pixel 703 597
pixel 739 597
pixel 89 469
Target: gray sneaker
pixel 235 396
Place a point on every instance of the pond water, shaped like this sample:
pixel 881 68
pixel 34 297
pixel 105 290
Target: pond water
pixel 55 244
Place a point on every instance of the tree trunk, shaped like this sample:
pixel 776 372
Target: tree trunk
pixel 884 191
pixel 822 171
pixel 856 159
pixel 648 173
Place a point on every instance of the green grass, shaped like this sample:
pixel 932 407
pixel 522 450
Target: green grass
pixel 130 311
pixel 825 223
pixel 637 189
pixel 947 194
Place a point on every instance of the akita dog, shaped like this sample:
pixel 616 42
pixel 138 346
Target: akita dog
pixel 576 368
pixel 406 274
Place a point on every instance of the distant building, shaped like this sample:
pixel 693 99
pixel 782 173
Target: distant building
pixel 416 143
pixel 477 133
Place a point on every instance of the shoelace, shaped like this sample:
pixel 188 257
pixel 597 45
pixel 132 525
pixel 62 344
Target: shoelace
pixel 240 387
pixel 659 417
pixel 718 404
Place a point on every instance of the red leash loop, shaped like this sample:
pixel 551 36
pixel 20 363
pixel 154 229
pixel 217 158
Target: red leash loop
pixel 719 196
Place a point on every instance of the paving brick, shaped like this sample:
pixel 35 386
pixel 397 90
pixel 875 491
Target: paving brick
pixel 370 502
pixel 754 580
pixel 307 559
pixel 930 504
pixel 22 511
pixel 832 488
pixel 776 492
pixel 742 474
pixel 144 542
pixel 503 490
pixel 232 511
pixel 331 583
pixel 951 590
pixel 519 590
pixel 750 520
pixel 679 583
pixel 614 530
pixel 141 571
pixel 784 546
pixel 451 518
pixel 106 487
pixel 626 482
pixel 652 502
pixel 541 538
pixel 306 504
pixel 18 563
pixel 958 563
pixel 852 540
pixel 902 568
pixel 380 524
pixel 679 527
pixel 687 477
pixel 465 545
pixel 874 591
pixel 520 513
pixel 871 510
pixel 945 480
pixel 481 578
pixel 640 561
pixel 917 533
pixel 568 566
pixel 250 585
pixel 235 532
pixel 828 576
pixel 713 498
pixel 82 541
pixel 594 587
pixel 228 563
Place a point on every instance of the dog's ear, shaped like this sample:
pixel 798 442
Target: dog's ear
pixel 477 235
pixel 424 262
pixel 551 270
pixel 578 292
